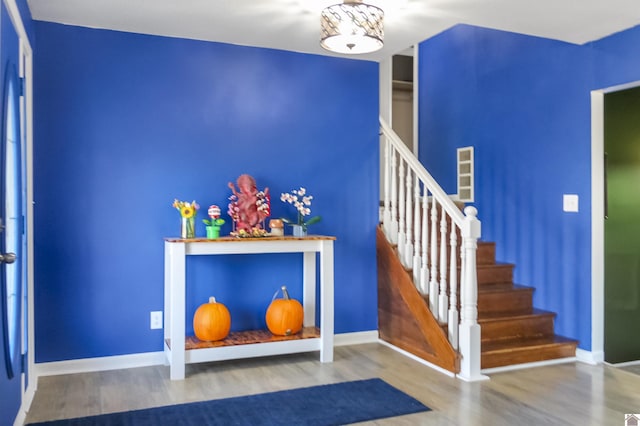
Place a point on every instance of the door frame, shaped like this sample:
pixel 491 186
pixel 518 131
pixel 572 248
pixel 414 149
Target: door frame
pixel 597 217
pixel 25 54
pixel 386 92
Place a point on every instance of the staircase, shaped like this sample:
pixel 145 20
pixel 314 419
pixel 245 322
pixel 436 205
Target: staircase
pixel 512 330
pixel 441 294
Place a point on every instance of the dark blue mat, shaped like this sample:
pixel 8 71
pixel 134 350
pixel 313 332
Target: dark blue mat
pixel 336 404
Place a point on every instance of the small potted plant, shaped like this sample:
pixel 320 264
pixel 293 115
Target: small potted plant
pixel 213 225
pixel 302 202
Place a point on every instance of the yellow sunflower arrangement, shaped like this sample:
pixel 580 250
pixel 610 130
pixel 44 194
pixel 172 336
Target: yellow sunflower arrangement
pixel 188 214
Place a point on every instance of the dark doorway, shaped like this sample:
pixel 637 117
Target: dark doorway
pixel 622 226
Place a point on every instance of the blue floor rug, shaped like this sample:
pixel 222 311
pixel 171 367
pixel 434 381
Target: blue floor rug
pixel 335 404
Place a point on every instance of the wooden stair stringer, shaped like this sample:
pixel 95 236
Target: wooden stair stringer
pixel 404 318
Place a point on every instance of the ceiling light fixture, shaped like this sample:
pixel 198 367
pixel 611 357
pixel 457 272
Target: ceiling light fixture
pixel 352 27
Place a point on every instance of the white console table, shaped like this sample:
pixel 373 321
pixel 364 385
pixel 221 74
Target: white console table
pixel 180 350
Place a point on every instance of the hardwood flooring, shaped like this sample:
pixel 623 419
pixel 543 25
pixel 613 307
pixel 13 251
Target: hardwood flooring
pixel 564 394
pixel 634 368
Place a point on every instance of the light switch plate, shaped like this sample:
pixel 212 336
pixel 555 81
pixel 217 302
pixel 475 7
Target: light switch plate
pixel 156 320
pixel 570 203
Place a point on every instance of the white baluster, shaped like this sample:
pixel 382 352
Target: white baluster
pixel 417 235
pixel 424 268
pixel 443 300
pixel 393 231
pixel 453 287
pixel 401 207
pixel 433 283
pixel 408 244
pixel 463 267
pixel 386 213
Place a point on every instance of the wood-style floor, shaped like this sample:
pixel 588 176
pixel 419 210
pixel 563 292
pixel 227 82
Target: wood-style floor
pixel 564 394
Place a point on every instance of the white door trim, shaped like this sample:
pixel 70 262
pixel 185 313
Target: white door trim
pixel 597 225
pixel 386 93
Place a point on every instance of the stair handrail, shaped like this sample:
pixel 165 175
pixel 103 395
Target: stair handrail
pixel 463 330
pixel 436 190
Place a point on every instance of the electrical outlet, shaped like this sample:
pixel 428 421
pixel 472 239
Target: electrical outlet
pixel 156 320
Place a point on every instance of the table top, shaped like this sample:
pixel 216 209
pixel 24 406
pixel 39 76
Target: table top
pixel 230 239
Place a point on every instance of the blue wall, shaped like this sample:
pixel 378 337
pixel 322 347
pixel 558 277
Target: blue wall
pixel 125 123
pixel 524 104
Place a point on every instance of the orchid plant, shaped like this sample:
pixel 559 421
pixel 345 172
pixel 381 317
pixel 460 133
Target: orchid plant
pixel 302 202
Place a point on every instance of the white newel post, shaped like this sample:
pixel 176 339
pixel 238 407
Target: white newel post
pixel 469 333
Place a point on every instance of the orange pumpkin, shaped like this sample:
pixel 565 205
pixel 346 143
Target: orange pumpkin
pixel 211 321
pixel 284 316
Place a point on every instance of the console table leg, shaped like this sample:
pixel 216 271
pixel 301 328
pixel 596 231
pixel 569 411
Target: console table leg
pixel 309 289
pixel 175 254
pixel 326 302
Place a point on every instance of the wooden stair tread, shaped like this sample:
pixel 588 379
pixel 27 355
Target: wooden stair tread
pixel 484 266
pixel 496 287
pixel 504 326
pixel 506 316
pixel 525 350
pixel 500 264
pixel 503 287
pixel 497 272
pixel 486 253
pixel 512 345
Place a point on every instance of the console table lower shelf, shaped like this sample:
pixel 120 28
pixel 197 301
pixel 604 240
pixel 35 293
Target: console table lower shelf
pixel 248 344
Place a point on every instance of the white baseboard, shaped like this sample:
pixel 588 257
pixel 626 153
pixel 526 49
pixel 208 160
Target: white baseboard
pixel 624 364
pixel 528 365
pixel 26 403
pixel 593 358
pixel 344 339
pixel 118 362
pixel 87 365
pixel 20 418
pixel 357 338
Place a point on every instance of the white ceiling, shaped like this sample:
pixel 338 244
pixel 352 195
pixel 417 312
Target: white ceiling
pixel 294 24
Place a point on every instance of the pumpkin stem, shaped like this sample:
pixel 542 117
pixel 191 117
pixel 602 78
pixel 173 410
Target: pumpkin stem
pixel 212 299
pixel 285 293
